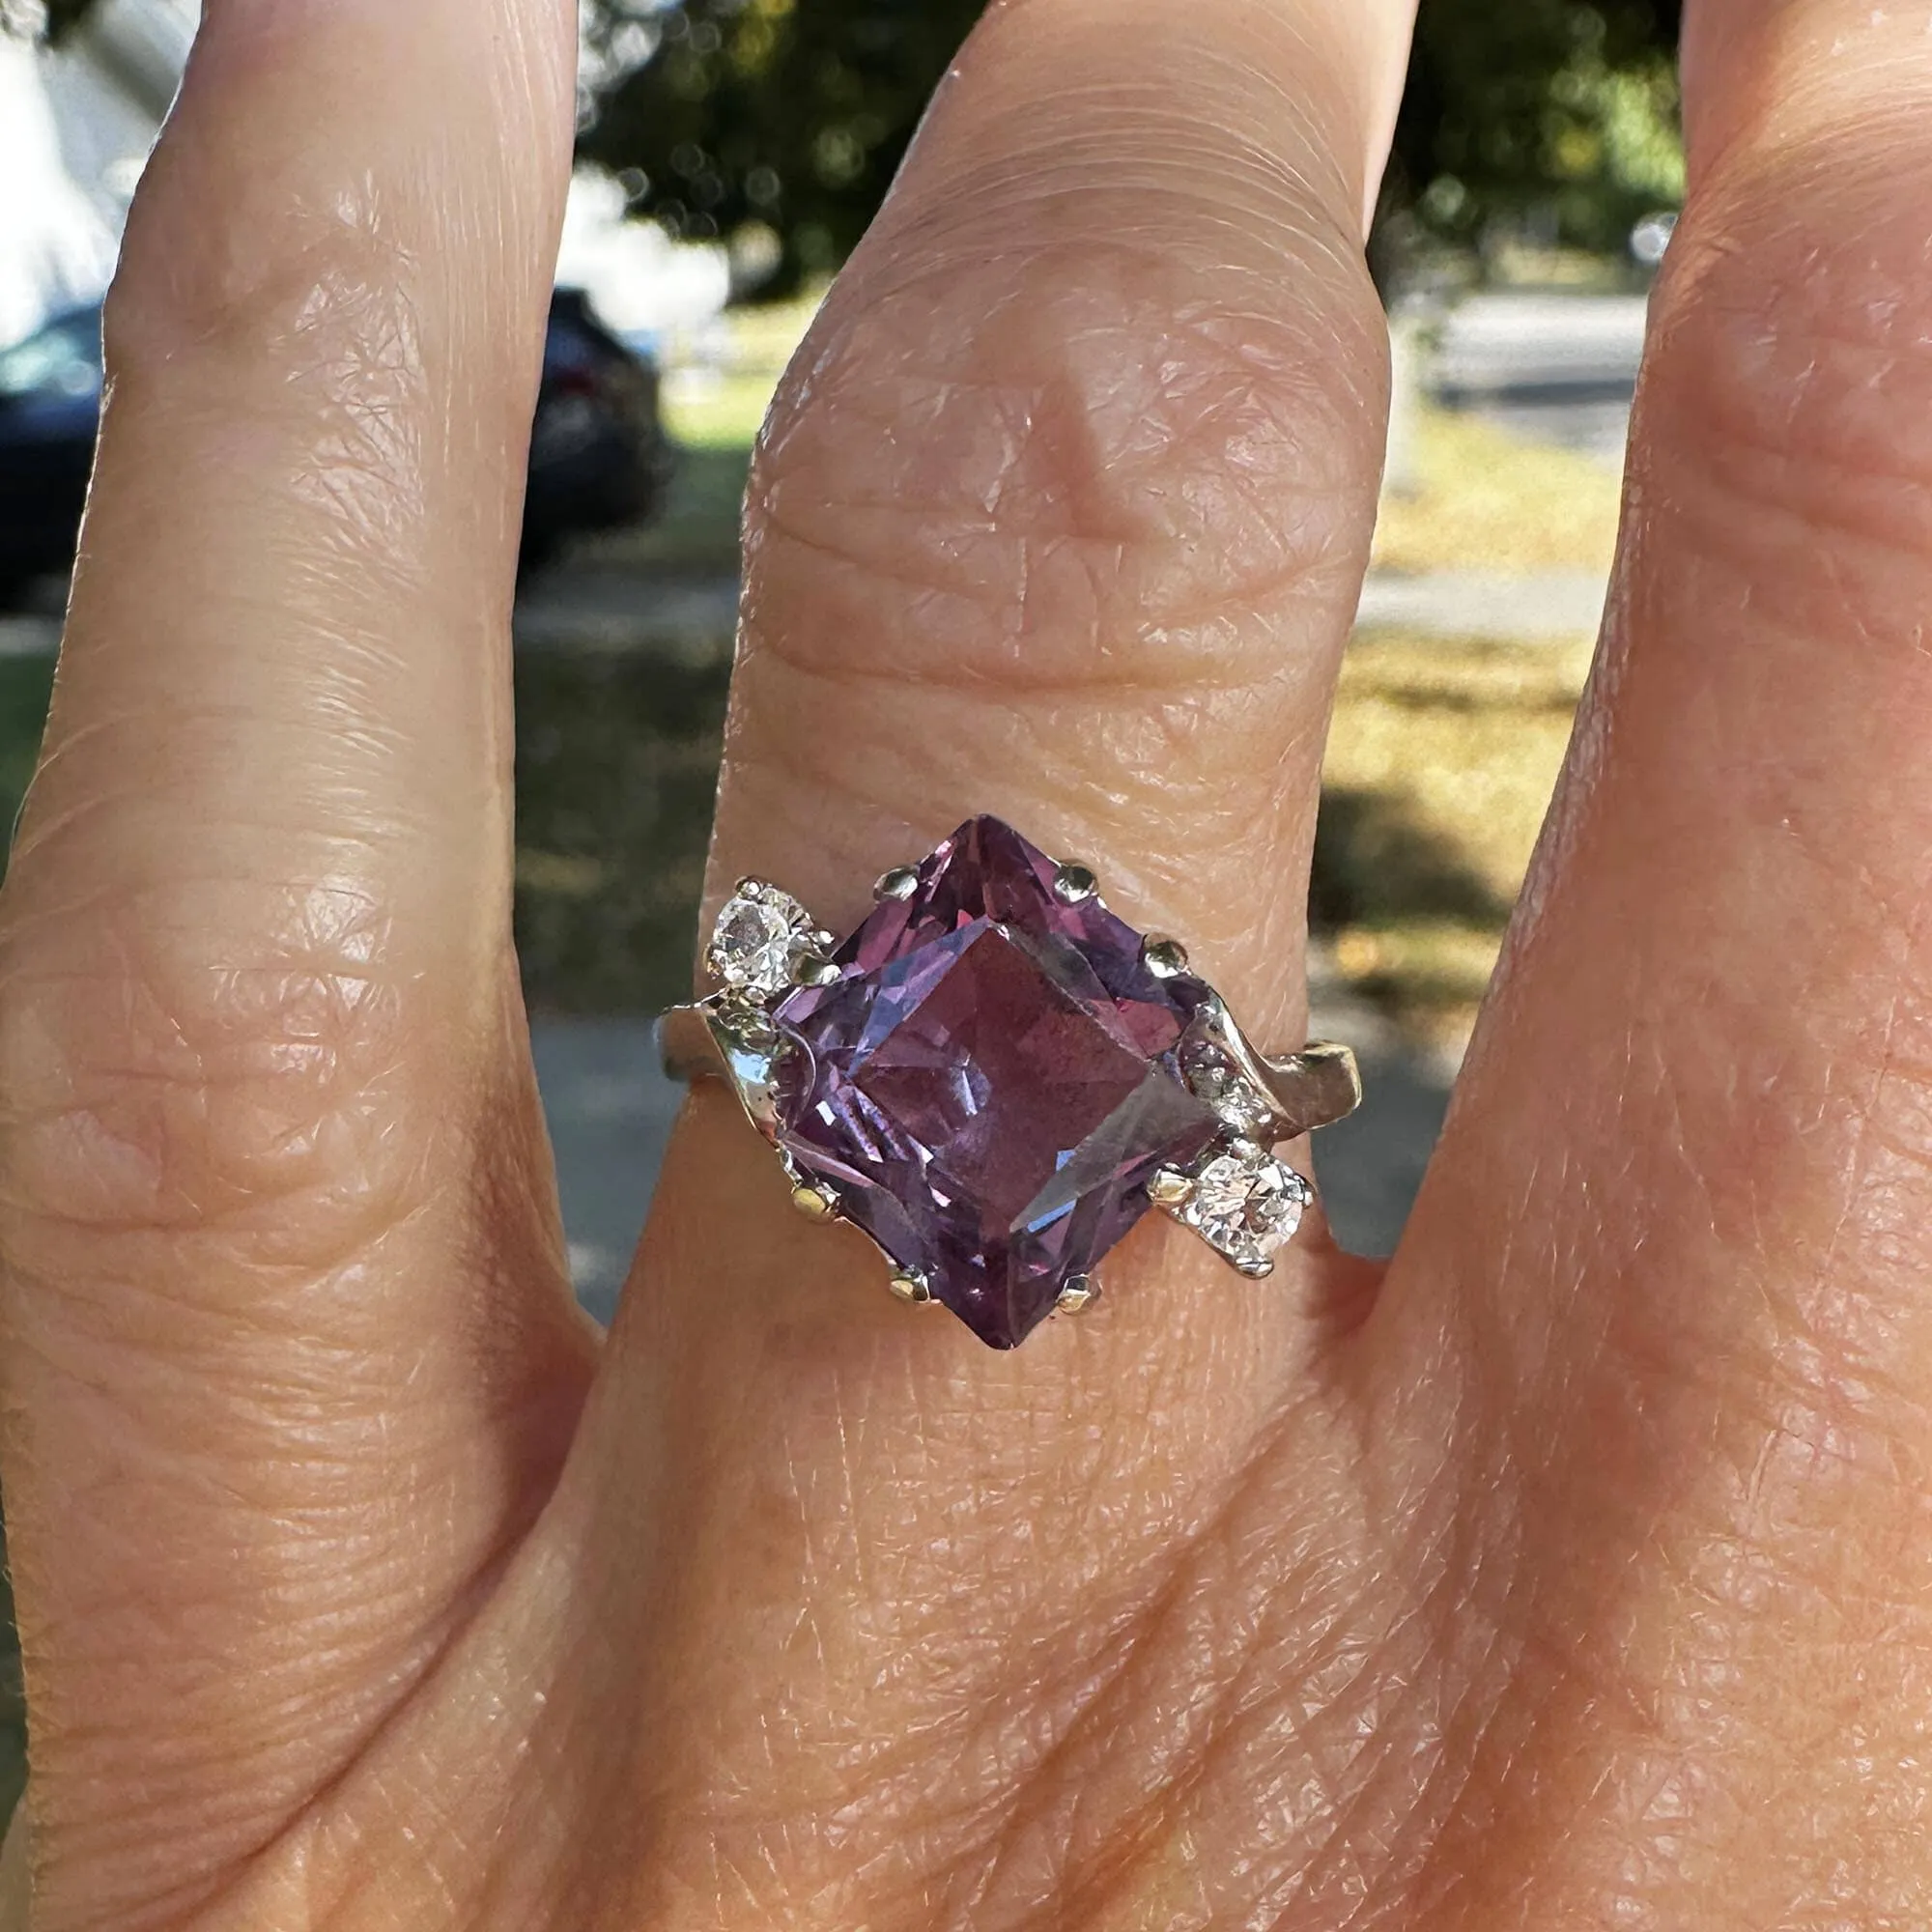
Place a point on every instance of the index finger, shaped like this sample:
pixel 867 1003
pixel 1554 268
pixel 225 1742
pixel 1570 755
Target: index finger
pixel 288 1342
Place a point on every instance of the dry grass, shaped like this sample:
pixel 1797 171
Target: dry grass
pixel 1441 767
pixel 1489 502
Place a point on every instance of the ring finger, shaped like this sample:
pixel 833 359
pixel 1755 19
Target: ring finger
pixel 1062 516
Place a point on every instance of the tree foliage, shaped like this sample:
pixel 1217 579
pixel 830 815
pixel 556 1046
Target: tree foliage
pixel 1558 116
pixel 1554 114
pixel 792 114
pixel 785 120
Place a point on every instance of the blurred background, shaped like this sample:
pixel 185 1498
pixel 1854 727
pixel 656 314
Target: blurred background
pixel 730 154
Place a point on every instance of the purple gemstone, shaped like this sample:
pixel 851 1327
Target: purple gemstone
pixel 991 1080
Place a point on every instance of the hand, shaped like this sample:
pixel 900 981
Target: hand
pixel 1575 1571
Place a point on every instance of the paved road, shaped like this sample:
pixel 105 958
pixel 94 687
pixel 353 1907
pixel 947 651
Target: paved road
pixel 1557 368
pixel 1546 607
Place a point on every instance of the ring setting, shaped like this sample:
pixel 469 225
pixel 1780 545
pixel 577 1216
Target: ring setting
pixel 995 1077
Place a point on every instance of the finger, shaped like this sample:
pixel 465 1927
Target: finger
pixel 273 1183
pixel 1062 516
pixel 1676 1236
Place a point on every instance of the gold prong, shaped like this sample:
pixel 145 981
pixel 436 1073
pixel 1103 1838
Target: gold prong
pixel 814 969
pixel 1165 958
pixel 1082 1291
pixel 815 1200
pixel 1074 882
pixel 910 1285
pixel 900 883
pixel 1169 1187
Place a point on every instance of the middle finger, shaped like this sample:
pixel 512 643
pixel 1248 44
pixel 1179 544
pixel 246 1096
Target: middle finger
pixel 1062 516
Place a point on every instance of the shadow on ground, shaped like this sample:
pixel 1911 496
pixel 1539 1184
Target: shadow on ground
pixel 1375 861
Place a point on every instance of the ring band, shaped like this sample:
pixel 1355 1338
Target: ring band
pixel 995 1076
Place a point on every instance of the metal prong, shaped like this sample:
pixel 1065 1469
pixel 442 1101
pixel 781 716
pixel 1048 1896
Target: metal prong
pixel 1326 1081
pixel 900 883
pixel 815 1200
pixel 814 969
pixel 1082 1291
pixel 748 888
pixel 1255 1270
pixel 1074 882
pixel 910 1284
pixel 1169 1187
pixel 1165 958
pixel 823 941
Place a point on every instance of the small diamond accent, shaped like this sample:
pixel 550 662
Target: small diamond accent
pixel 759 935
pixel 1246 1203
pixel 1212 1076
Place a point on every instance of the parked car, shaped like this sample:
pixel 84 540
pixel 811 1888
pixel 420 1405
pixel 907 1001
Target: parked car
pixel 599 455
pixel 50 409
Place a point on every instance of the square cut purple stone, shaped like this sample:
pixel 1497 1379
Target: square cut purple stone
pixel 991 1080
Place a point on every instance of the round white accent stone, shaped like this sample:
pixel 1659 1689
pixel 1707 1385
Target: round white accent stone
pixel 756 941
pixel 1245 1203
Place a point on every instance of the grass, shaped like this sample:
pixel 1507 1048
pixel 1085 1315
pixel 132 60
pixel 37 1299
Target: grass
pixel 1440 766
pixel 697 533
pixel 714 416
pixel 617 761
pixel 1487 500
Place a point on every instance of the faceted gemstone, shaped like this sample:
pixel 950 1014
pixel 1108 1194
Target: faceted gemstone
pixel 1246 1203
pixel 991 1080
pixel 759 932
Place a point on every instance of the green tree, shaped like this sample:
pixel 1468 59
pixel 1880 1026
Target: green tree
pixel 1549 113
pixel 1558 115
pixel 785 119
pixel 791 114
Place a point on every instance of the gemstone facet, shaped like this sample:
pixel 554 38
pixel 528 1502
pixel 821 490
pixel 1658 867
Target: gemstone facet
pixel 760 935
pixel 991 1079
pixel 1246 1203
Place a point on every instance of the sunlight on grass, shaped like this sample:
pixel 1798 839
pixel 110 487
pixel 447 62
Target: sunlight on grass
pixel 705 408
pixel 712 408
pixel 1440 766
pixel 1489 502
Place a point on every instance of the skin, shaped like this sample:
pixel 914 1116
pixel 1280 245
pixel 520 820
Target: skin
pixel 1573 1570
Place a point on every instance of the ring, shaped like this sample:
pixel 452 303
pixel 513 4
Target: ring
pixel 995 1077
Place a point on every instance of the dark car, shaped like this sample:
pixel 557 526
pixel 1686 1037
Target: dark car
pixel 599 455
pixel 50 409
